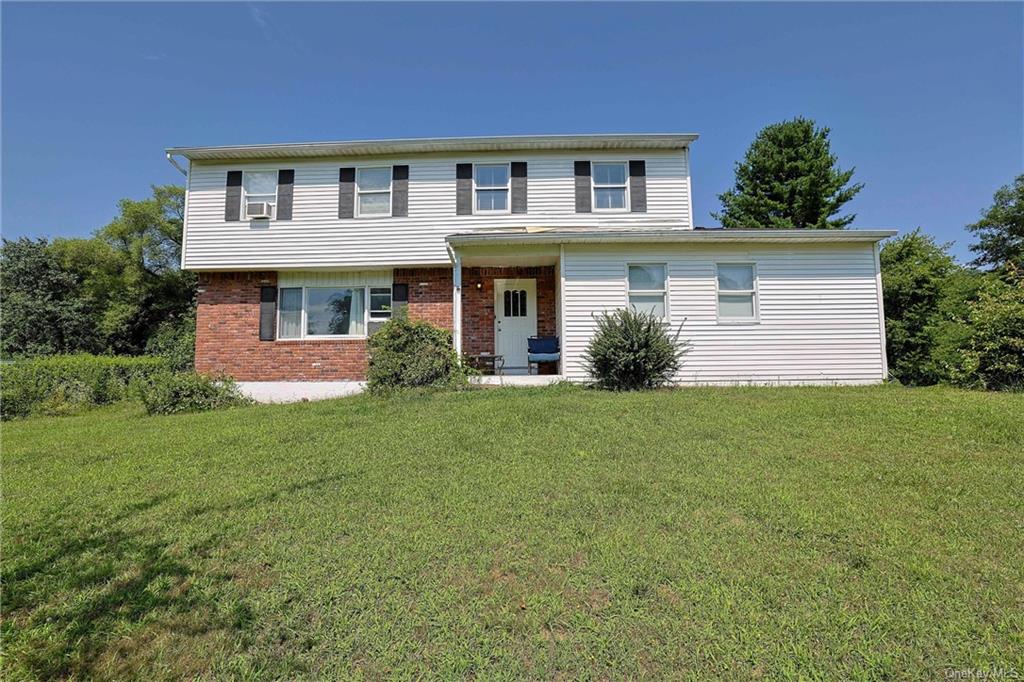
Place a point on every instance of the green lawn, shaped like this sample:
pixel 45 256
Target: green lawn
pixel 813 532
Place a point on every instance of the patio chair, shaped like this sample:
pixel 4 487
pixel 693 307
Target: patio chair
pixel 541 349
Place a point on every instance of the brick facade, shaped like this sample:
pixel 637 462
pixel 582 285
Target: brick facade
pixel 430 294
pixel 228 337
pixel 478 306
pixel 227 323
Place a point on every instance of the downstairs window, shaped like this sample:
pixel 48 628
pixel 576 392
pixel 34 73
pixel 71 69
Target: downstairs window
pixel 737 292
pixel 326 312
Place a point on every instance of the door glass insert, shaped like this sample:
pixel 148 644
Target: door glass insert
pixel 515 302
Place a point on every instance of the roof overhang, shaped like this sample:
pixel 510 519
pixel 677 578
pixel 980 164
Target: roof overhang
pixel 435 145
pixel 661 236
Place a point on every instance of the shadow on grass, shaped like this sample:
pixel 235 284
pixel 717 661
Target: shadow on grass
pixel 115 597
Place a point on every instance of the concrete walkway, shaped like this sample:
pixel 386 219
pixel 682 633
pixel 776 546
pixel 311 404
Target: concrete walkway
pixel 295 391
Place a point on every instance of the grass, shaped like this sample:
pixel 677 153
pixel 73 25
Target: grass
pixel 861 533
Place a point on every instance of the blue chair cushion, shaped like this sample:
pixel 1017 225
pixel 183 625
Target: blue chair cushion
pixel 544 357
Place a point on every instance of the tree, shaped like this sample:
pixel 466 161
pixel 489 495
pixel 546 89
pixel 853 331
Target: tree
pixel 991 351
pixel 789 179
pixel 916 278
pixel 110 292
pixel 146 287
pixel 43 312
pixel 1001 230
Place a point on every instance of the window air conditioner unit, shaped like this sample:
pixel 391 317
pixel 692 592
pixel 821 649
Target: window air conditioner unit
pixel 258 209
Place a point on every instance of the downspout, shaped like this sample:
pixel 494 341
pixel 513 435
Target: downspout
pixel 170 157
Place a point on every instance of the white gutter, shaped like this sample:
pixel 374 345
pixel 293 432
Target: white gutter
pixel 611 235
pixel 620 142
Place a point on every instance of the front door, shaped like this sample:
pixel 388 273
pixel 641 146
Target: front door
pixel 515 319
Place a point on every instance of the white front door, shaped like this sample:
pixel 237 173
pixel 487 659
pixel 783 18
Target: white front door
pixel 515 319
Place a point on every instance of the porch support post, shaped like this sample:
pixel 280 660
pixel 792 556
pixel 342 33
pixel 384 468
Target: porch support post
pixel 457 304
pixel 560 308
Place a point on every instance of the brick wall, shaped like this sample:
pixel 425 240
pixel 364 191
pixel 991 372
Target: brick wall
pixel 430 294
pixel 228 320
pixel 228 337
pixel 478 305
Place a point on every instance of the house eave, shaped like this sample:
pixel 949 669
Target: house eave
pixel 661 236
pixel 435 145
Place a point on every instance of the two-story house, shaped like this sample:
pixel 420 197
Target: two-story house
pixel 304 249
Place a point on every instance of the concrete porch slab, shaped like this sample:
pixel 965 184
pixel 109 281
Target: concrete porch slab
pixel 295 391
pixel 516 379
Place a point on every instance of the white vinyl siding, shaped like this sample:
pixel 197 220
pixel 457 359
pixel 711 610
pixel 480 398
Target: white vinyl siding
pixel 818 304
pixel 316 238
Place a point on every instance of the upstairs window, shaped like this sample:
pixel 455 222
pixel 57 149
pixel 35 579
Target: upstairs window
pixel 647 289
pixel 259 186
pixel 610 182
pixel 492 184
pixel 737 292
pixel 373 189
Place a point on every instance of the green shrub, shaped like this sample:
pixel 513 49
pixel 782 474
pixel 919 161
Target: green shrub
pixel 632 350
pixel 59 383
pixel 991 347
pixel 411 354
pixel 172 392
pixel 175 341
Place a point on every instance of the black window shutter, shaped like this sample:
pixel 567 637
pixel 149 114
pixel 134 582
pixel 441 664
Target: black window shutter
pixel 582 173
pixel 347 193
pixel 399 296
pixel 518 200
pixel 399 191
pixel 463 189
pixel 268 312
pixel 233 196
pixel 638 186
pixel 285 186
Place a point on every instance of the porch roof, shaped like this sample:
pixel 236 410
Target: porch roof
pixel 591 235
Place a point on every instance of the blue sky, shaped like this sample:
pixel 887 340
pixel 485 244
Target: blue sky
pixel 926 100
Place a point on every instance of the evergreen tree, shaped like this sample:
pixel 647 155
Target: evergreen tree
pixel 789 179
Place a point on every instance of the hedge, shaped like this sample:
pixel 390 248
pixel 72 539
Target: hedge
pixel 58 383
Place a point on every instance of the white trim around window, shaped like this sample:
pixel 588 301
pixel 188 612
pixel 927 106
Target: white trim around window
pixel 373 191
pixel 641 297
pixel 493 189
pixel 738 296
pixel 269 197
pixel 301 321
pixel 595 186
